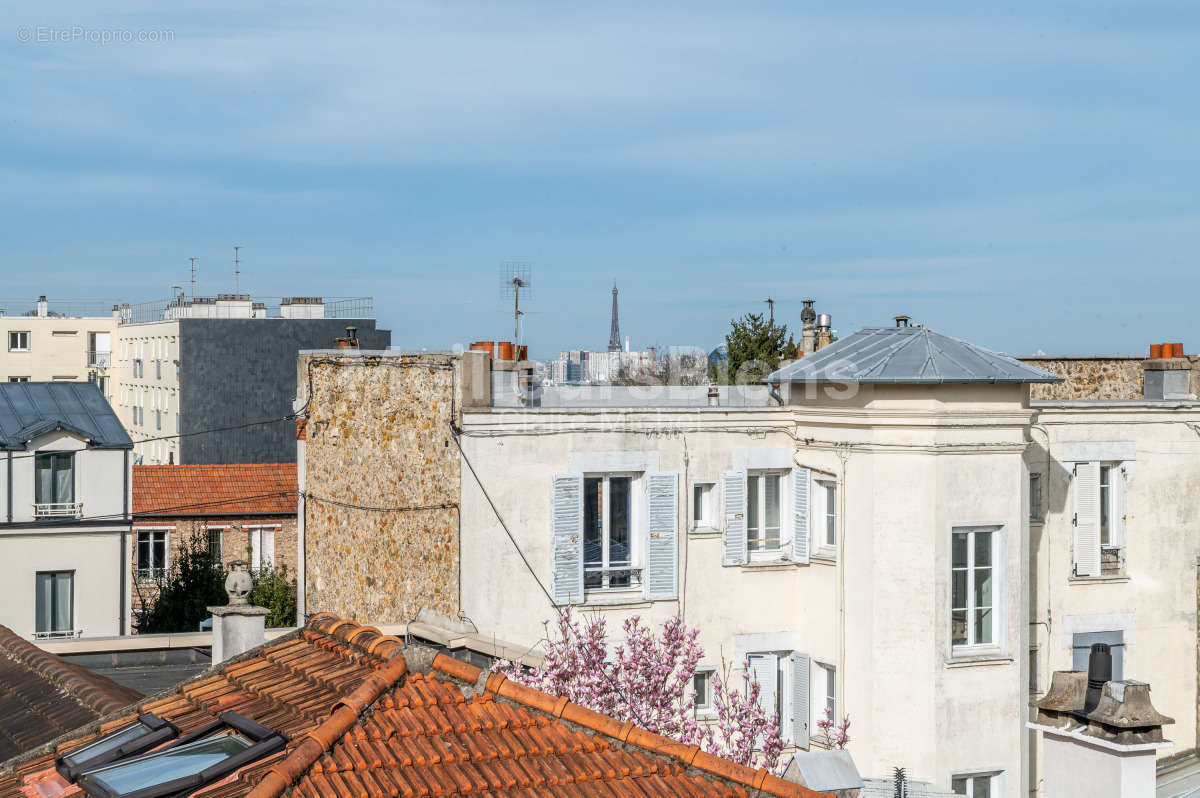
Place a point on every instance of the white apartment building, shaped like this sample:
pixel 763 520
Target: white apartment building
pixel 55 343
pixel 860 540
pixel 64 512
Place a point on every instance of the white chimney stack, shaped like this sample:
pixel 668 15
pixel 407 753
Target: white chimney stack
pixel 43 307
pixel 238 626
pixel 1099 737
pixel 626 343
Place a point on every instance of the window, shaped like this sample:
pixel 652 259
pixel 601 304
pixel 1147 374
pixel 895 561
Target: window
pixel 158 369
pixel 158 419
pixel 784 684
pixel 764 494
pixel 1035 497
pixel 55 603
pixel 137 367
pixel 982 785
pixel 151 554
pixel 1098 534
pixel 262 547
pixel 54 484
pixel 18 379
pixel 183 766
pixel 213 536
pixel 972 616
pixel 18 341
pixel 1081 650
pixel 146 732
pixel 824 694
pixel 702 509
pixel 825 507
pixel 702 686
pixel 607 534
pixel 63 333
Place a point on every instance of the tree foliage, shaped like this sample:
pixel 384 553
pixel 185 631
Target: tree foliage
pixel 647 680
pixel 185 591
pixel 755 346
pixel 274 590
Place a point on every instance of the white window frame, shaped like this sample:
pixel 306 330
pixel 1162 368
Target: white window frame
pixel 997 645
pixel 822 513
pixel 251 530
pixel 709 522
pixel 782 550
pixel 997 778
pixel 636 530
pixel 707 708
pixel 149 574
pixel 1116 498
pixel 14 335
pixel 819 697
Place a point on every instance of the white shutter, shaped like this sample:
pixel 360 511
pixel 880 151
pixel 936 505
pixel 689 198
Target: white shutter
pixel 764 669
pixel 662 536
pixel 801 514
pixel 255 549
pixel 566 538
pixel 1086 552
pixel 800 669
pixel 268 548
pixel 1119 486
pixel 733 485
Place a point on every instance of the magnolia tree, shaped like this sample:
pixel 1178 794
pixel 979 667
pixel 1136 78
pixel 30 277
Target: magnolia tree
pixel 834 734
pixel 647 680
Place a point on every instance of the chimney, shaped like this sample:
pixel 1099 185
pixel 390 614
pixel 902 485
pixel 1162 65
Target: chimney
pixel 238 626
pixel 116 313
pixel 808 332
pixel 42 307
pixel 714 396
pixel 902 321
pixel 1167 373
pixel 824 330
pixel 351 339
pixel 1099 737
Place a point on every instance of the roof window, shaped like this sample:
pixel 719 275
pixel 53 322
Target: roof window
pixel 143 734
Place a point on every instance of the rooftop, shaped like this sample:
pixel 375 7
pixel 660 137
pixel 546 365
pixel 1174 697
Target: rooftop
pixel 907 355
pixel 42 696
pixel 30 409
pixel 365 715
pixel 208 490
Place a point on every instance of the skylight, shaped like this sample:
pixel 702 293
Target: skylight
pixel 143 734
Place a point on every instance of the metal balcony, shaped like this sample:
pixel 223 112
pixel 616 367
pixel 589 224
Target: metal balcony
pixel 58 510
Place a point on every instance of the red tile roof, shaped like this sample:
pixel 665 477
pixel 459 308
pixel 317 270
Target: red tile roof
pixel 43 696
pixel 237 489
pixel 361 723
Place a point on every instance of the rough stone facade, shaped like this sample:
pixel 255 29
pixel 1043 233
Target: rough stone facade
pixel 380 475
pixel 1117 377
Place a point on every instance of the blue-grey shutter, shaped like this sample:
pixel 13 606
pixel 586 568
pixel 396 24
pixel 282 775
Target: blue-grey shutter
pixel 801 514
pixel 566 538
pixel 1086 550
pixel 733 487
pixel 799 667
pixel 662 536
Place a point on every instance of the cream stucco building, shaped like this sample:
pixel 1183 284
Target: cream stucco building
pixel 64 512
pixel 57 343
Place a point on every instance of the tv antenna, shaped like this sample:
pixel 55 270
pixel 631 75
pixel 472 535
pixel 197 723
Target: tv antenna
pixel 193 260
pixel 237 269
pixel 516 280
pixel 771 307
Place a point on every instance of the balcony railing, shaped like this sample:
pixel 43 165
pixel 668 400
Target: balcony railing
pixel 63 634
pixel 58 510
pixel 99 360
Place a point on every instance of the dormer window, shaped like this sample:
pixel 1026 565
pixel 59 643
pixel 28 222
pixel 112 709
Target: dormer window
pixel 54 484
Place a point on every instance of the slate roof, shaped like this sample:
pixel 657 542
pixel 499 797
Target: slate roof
pixel 43 696
pixel 366 716
pixel 911 355
pixel 208 490
pixel 29 409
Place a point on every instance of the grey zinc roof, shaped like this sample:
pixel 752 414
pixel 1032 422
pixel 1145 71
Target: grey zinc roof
pixel 912 355
pixel 29 409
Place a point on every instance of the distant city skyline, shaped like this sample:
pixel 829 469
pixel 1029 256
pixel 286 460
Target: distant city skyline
pixel 1020 177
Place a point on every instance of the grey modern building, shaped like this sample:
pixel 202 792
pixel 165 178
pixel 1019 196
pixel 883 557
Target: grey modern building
pixel 212 380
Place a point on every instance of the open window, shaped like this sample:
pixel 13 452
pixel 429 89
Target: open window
pixel 138 737
pixel 210 753
pixel 1098 540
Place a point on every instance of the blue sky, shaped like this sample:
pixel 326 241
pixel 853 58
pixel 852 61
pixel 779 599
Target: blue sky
pixel 1023 177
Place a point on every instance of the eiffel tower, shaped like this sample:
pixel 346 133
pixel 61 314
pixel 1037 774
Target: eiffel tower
pixel 614 335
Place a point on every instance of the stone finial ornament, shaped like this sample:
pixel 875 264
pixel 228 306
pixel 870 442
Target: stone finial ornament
pixel 238 584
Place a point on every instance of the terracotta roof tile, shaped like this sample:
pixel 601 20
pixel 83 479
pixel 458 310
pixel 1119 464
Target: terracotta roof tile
pixel 43 696
pixel 207 490
pixel 360 725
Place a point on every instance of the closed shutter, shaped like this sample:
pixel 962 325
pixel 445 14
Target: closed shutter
pixel 268 548
pixel 566 538
pixel 801 514
pixel 1086 551
pixel 662 536
pixel 733 484
pixel 764 669
pixel 800 669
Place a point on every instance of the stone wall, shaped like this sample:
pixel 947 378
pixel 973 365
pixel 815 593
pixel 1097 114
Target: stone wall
pixel 381 482
pixel 1089 378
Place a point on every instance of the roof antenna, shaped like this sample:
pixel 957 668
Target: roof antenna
pixel 193 260
pixel 237 269
pixel 771 306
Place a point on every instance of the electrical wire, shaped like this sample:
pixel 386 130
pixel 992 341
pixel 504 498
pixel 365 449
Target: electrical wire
pixel 377 509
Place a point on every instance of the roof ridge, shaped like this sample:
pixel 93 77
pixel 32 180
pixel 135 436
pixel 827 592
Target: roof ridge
pixel 89 689
pixel 560 707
